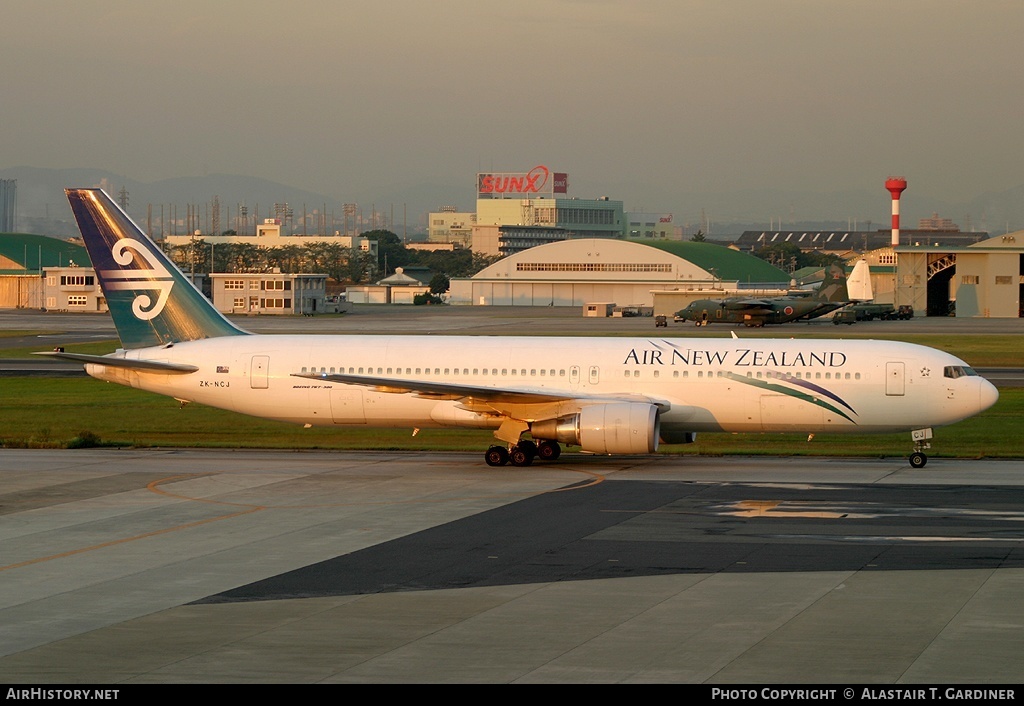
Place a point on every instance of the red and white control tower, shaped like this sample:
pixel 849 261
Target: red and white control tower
pixel 895 185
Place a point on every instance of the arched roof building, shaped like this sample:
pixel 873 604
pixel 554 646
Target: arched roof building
pixel 574 272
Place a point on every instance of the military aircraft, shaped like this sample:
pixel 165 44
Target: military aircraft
pixel 831 295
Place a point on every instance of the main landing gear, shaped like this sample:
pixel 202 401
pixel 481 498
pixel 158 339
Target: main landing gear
pixel 523 453
pixel 921 439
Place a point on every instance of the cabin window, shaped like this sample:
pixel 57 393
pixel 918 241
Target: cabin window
pixel 627 373
pixel 700 373
pixel 657 373
pixel 485 371
pixel 303 368
pixel 542 373
pixel 856 376
pixel 504 372
pixel 533 372
pixel 417 371
pixel 513 371
pixel 332 371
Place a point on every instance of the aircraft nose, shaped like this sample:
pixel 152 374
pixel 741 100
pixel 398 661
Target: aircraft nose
pixel 987 394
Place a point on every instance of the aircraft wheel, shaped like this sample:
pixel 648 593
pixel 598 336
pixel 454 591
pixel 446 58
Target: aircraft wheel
pixel 918 459
pixel 549 450
pixel 520 456
pixel 496 456
pixel 529 446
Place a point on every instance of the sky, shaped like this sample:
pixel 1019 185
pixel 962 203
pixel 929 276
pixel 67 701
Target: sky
pixel 647 96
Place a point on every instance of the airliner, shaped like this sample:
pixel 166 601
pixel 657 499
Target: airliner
pixel 537 394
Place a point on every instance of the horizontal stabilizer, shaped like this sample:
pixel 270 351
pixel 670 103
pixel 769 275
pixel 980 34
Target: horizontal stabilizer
pixel 147 365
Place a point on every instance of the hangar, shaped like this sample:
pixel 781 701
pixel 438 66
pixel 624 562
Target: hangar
pixel 574 272
pixel 983 280
pixel 23 257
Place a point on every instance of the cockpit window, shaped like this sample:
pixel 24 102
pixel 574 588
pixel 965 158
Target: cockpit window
pixel 957 371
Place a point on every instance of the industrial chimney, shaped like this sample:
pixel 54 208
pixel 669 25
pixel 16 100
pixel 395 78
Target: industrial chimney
pixel 895 185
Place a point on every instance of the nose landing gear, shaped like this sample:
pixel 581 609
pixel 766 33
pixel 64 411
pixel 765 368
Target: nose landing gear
pixel 921 438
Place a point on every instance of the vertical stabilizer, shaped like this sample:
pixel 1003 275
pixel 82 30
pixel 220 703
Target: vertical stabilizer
pixel 833 286
pixel 151 302
pixel 859 283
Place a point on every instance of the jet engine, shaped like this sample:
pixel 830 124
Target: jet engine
pixel 616 428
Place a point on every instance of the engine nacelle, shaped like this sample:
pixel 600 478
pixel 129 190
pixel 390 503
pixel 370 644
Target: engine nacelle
pixel 616 428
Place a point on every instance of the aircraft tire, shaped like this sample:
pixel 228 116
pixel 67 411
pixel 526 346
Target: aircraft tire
pixel 529 446
pixel 918 459
pixel 520 456
pixel 548 450
pixel 496 456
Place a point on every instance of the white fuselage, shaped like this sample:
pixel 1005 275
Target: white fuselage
pixel 733 385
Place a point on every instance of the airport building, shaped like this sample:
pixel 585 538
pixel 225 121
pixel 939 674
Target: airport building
pixel 23 260
pixel 268 293
pixel 451 226
pixel 652 225
pixel 402 287
pixel 984 280
pixel 72 289
pixel 520 210
pixel 575 272
pixel 843 242
pixel 272 234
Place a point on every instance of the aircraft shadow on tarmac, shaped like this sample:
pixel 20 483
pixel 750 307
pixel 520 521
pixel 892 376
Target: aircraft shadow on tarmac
pixel 643 528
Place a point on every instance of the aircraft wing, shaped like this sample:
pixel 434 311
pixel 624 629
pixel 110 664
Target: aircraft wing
pixel 748 304
pixel 114 362
pixel 476 393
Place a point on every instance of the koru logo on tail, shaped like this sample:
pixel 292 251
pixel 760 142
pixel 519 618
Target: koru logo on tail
pixel 153 276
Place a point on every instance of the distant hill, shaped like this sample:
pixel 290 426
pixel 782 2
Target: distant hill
pixel 43 209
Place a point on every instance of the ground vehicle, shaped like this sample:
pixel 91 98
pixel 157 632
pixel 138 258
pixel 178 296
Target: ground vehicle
pixel 869 312
pixel 660 321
